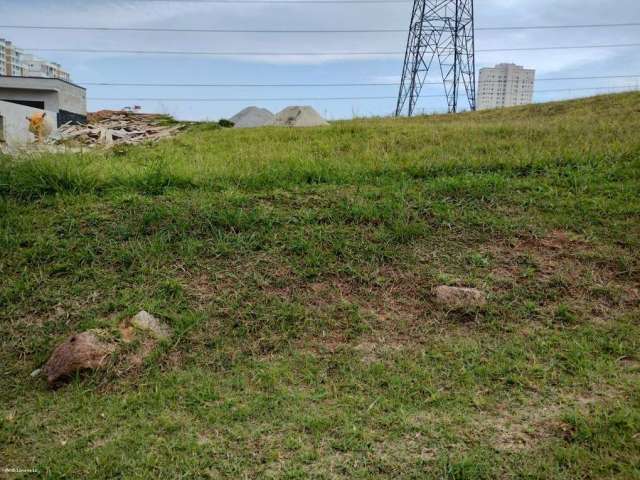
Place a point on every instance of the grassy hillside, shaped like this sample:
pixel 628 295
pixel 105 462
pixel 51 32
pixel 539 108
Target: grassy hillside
pixel 297 268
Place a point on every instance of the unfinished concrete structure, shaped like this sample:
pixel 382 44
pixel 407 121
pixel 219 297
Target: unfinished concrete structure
pixel 22 96
pixel 14 127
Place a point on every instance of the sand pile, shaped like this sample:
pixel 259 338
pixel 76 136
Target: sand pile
pixel 300 117
pixel 252 117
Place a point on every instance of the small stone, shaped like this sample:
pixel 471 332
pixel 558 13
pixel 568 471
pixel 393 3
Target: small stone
pixel 84 351
pixel 148 323
pixel 460 297
pixel 36 373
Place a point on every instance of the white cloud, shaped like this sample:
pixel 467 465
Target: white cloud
pixel 350 16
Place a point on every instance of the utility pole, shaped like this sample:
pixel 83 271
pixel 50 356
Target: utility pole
pixel 441 32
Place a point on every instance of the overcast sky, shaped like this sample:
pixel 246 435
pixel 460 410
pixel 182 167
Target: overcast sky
pixel 197 69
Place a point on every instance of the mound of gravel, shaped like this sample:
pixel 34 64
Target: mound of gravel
pixel 300 117
pixel 252 117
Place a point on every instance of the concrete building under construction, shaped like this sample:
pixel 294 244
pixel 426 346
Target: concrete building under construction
pixel 22 97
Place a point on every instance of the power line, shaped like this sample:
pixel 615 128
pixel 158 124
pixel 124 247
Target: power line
pixel 593 77
pixel 287 99
pixel 249 85
pixel 227 99
pixel 304 54
pixel 288 85
pixel 199 52
pixel 562 27
pixel 584 89
pixel 571 47
pixel 195 30
pixel 299 31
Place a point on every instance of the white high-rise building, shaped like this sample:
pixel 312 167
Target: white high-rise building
pixel 15 63
pixel 505 85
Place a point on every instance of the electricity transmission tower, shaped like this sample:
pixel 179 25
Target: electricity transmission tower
pixel 442 32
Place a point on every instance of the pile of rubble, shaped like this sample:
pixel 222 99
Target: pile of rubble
pixel 108 128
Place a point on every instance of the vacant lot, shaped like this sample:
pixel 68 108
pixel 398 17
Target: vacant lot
pixel 297 267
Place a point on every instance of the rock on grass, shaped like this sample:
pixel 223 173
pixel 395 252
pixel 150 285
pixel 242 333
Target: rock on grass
pixel 148 323
pixel 460 297
pixel 84 351
pixel 90 350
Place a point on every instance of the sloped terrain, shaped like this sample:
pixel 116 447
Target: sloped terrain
pixel 297 270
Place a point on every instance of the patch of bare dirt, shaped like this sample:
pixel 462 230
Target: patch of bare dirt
pixel 397 296
pixel 524 427
pixel 547 254
pixel 376 350
pixel 563 263
pixel 203 288
pixel 135 359
pixel 327 343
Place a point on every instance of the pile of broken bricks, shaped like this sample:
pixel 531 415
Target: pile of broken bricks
pixel 93 349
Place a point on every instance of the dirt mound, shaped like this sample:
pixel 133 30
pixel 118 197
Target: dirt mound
pixel 252 117
pixel 300 117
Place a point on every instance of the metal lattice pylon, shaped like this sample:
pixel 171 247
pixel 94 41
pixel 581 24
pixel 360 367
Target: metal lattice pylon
pixel 441 31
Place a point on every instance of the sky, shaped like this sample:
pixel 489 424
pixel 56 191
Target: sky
pixel 100 67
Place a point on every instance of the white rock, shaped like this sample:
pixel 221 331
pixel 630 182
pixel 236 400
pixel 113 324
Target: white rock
pixel 147 322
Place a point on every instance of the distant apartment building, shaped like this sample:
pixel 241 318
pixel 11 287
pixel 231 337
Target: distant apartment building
pixel 505 85
pixel 10 59
pixel 36 67
pixel 15 63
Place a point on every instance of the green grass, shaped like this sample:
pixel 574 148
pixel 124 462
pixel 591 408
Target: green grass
pixel 296 268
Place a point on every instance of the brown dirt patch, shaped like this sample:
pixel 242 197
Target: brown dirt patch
pixel 515 429
pixel 376 350
pixel 570 268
